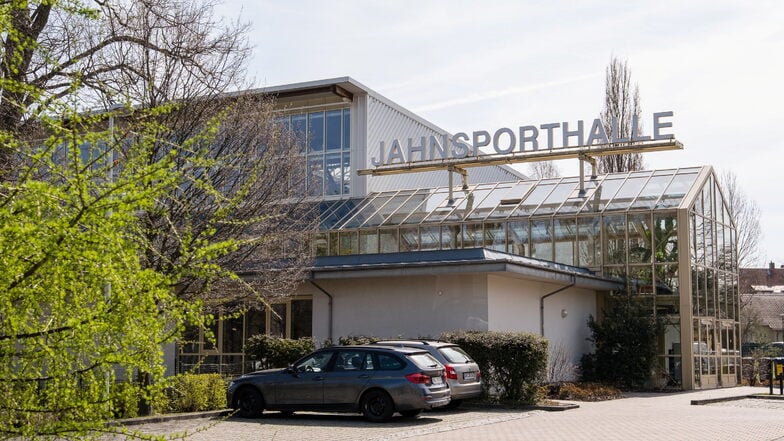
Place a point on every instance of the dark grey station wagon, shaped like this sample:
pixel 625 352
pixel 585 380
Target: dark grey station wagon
pixel 373 380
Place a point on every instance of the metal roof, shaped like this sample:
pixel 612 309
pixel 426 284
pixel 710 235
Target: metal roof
pixel 458 261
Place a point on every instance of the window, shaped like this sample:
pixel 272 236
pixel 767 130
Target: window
pixel 389 363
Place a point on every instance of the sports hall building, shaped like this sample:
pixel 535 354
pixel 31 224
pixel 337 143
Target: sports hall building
pixel 413 254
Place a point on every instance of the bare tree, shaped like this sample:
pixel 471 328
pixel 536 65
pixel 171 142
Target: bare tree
pixel 621 109
pixel 140 52
pixel 543 169
pixel 746 213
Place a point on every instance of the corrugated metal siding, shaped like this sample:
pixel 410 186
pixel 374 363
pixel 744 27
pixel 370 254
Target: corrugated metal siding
pixel 385 123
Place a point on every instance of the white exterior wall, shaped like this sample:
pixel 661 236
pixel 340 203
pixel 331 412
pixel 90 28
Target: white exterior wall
pixel 513 305
pixel 407 307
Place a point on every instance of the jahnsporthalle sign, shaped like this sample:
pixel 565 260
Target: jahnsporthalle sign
pixel 527 143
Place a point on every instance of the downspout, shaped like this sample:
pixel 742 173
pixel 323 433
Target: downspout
pixel 541 302
pixel 329 330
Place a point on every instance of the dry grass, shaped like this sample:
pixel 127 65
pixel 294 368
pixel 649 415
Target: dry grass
pixel 582 392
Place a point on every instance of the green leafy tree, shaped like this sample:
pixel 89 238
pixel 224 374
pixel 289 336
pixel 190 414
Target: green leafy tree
pixel 626 341
pixel 77 309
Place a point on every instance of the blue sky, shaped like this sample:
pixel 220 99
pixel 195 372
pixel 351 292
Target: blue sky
pixel 470 65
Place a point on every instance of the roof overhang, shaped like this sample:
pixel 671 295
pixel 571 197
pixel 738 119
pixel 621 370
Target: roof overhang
pixel 462 261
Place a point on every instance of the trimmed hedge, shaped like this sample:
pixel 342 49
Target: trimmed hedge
pixel 196 392
pixel 513 364
pixel 349 340
pixel 274 352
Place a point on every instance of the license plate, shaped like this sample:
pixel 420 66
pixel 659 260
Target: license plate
pixel 436 380
pixel 469 376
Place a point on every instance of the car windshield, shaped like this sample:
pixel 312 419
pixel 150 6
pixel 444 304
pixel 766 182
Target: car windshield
pixel 424 361
pixel 455 355
pixel 314 362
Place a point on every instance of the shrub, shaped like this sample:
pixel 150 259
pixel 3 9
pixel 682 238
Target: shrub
pixel 357 339
pixel 512 363
pixel 196 392
pixel 273 352
pixel 626 342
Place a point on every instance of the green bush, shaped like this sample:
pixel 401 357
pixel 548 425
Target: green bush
pixel 626 341
pixel 274 352
pixel 357 340
pixel 512 363
pixel 196 392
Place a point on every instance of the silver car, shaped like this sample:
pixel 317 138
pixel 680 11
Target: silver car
pixel 372 380
pixel 462 373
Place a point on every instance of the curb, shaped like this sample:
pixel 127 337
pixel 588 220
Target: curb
pixel 170 417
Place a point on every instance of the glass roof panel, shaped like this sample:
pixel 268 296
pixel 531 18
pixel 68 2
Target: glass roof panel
pixel 510 198
pixel 342 212
pixel 628 192
pixel 573 204
pixel 388 208
pixel 330 212
pixel 535 197
pixel 488 204
pixel 560 194
pixel 603 193
pixel 432 200
pixel 652 192
pixel 405 209
pixel 677 189
pixel 366 211
pixel 469 203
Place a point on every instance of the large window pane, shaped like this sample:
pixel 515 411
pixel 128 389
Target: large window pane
pixel 334 174
pixel 349 243
pixel 517 240
pixel 665 237
pixel 541 239
pixel 315 175
pixel 334 131
pixel 615 239
pixel 232 335
pixel 346 129
pixel 301 318
pixel 409 239
pixel 387 241
pixel 255 322
pixel 450 237
pixel 278 320
pixel 368 242
pixel 316 131
pixel 346 173
pixel 472 235
pixel 588 241
pixel 639 229
pixel 565 232
pixel 299 129
pixel 430 238
pixel 495 236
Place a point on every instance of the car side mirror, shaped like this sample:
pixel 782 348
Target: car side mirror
pixel 290 370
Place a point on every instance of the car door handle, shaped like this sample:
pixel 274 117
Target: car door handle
pixel 318 378
pixel 364 376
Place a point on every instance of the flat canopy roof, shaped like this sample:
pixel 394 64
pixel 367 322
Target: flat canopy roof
pixel 459 261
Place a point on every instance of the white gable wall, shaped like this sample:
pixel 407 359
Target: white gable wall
pixel 514 305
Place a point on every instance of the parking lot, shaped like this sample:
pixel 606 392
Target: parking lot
pixel 642 416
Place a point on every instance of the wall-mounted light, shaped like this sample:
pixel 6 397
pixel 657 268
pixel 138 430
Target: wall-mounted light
pixel 564 313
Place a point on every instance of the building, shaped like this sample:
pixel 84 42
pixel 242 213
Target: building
pixel 762 304
pixel 412 255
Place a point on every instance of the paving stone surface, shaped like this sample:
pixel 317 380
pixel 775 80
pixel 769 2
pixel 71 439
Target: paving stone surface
pixel 642 416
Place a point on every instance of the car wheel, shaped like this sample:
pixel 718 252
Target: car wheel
pixel 377 406
pixel 410 413
pixel 249 403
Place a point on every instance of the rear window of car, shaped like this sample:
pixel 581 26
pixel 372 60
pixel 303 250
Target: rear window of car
pixel 455 355
pixel 424 360
pixel 389 363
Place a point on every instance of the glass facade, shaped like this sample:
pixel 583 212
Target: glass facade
pixel 220 348
pixel 627 226
pixel 325 139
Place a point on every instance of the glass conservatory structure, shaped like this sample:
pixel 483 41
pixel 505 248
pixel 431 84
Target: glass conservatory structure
pixel 667 234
